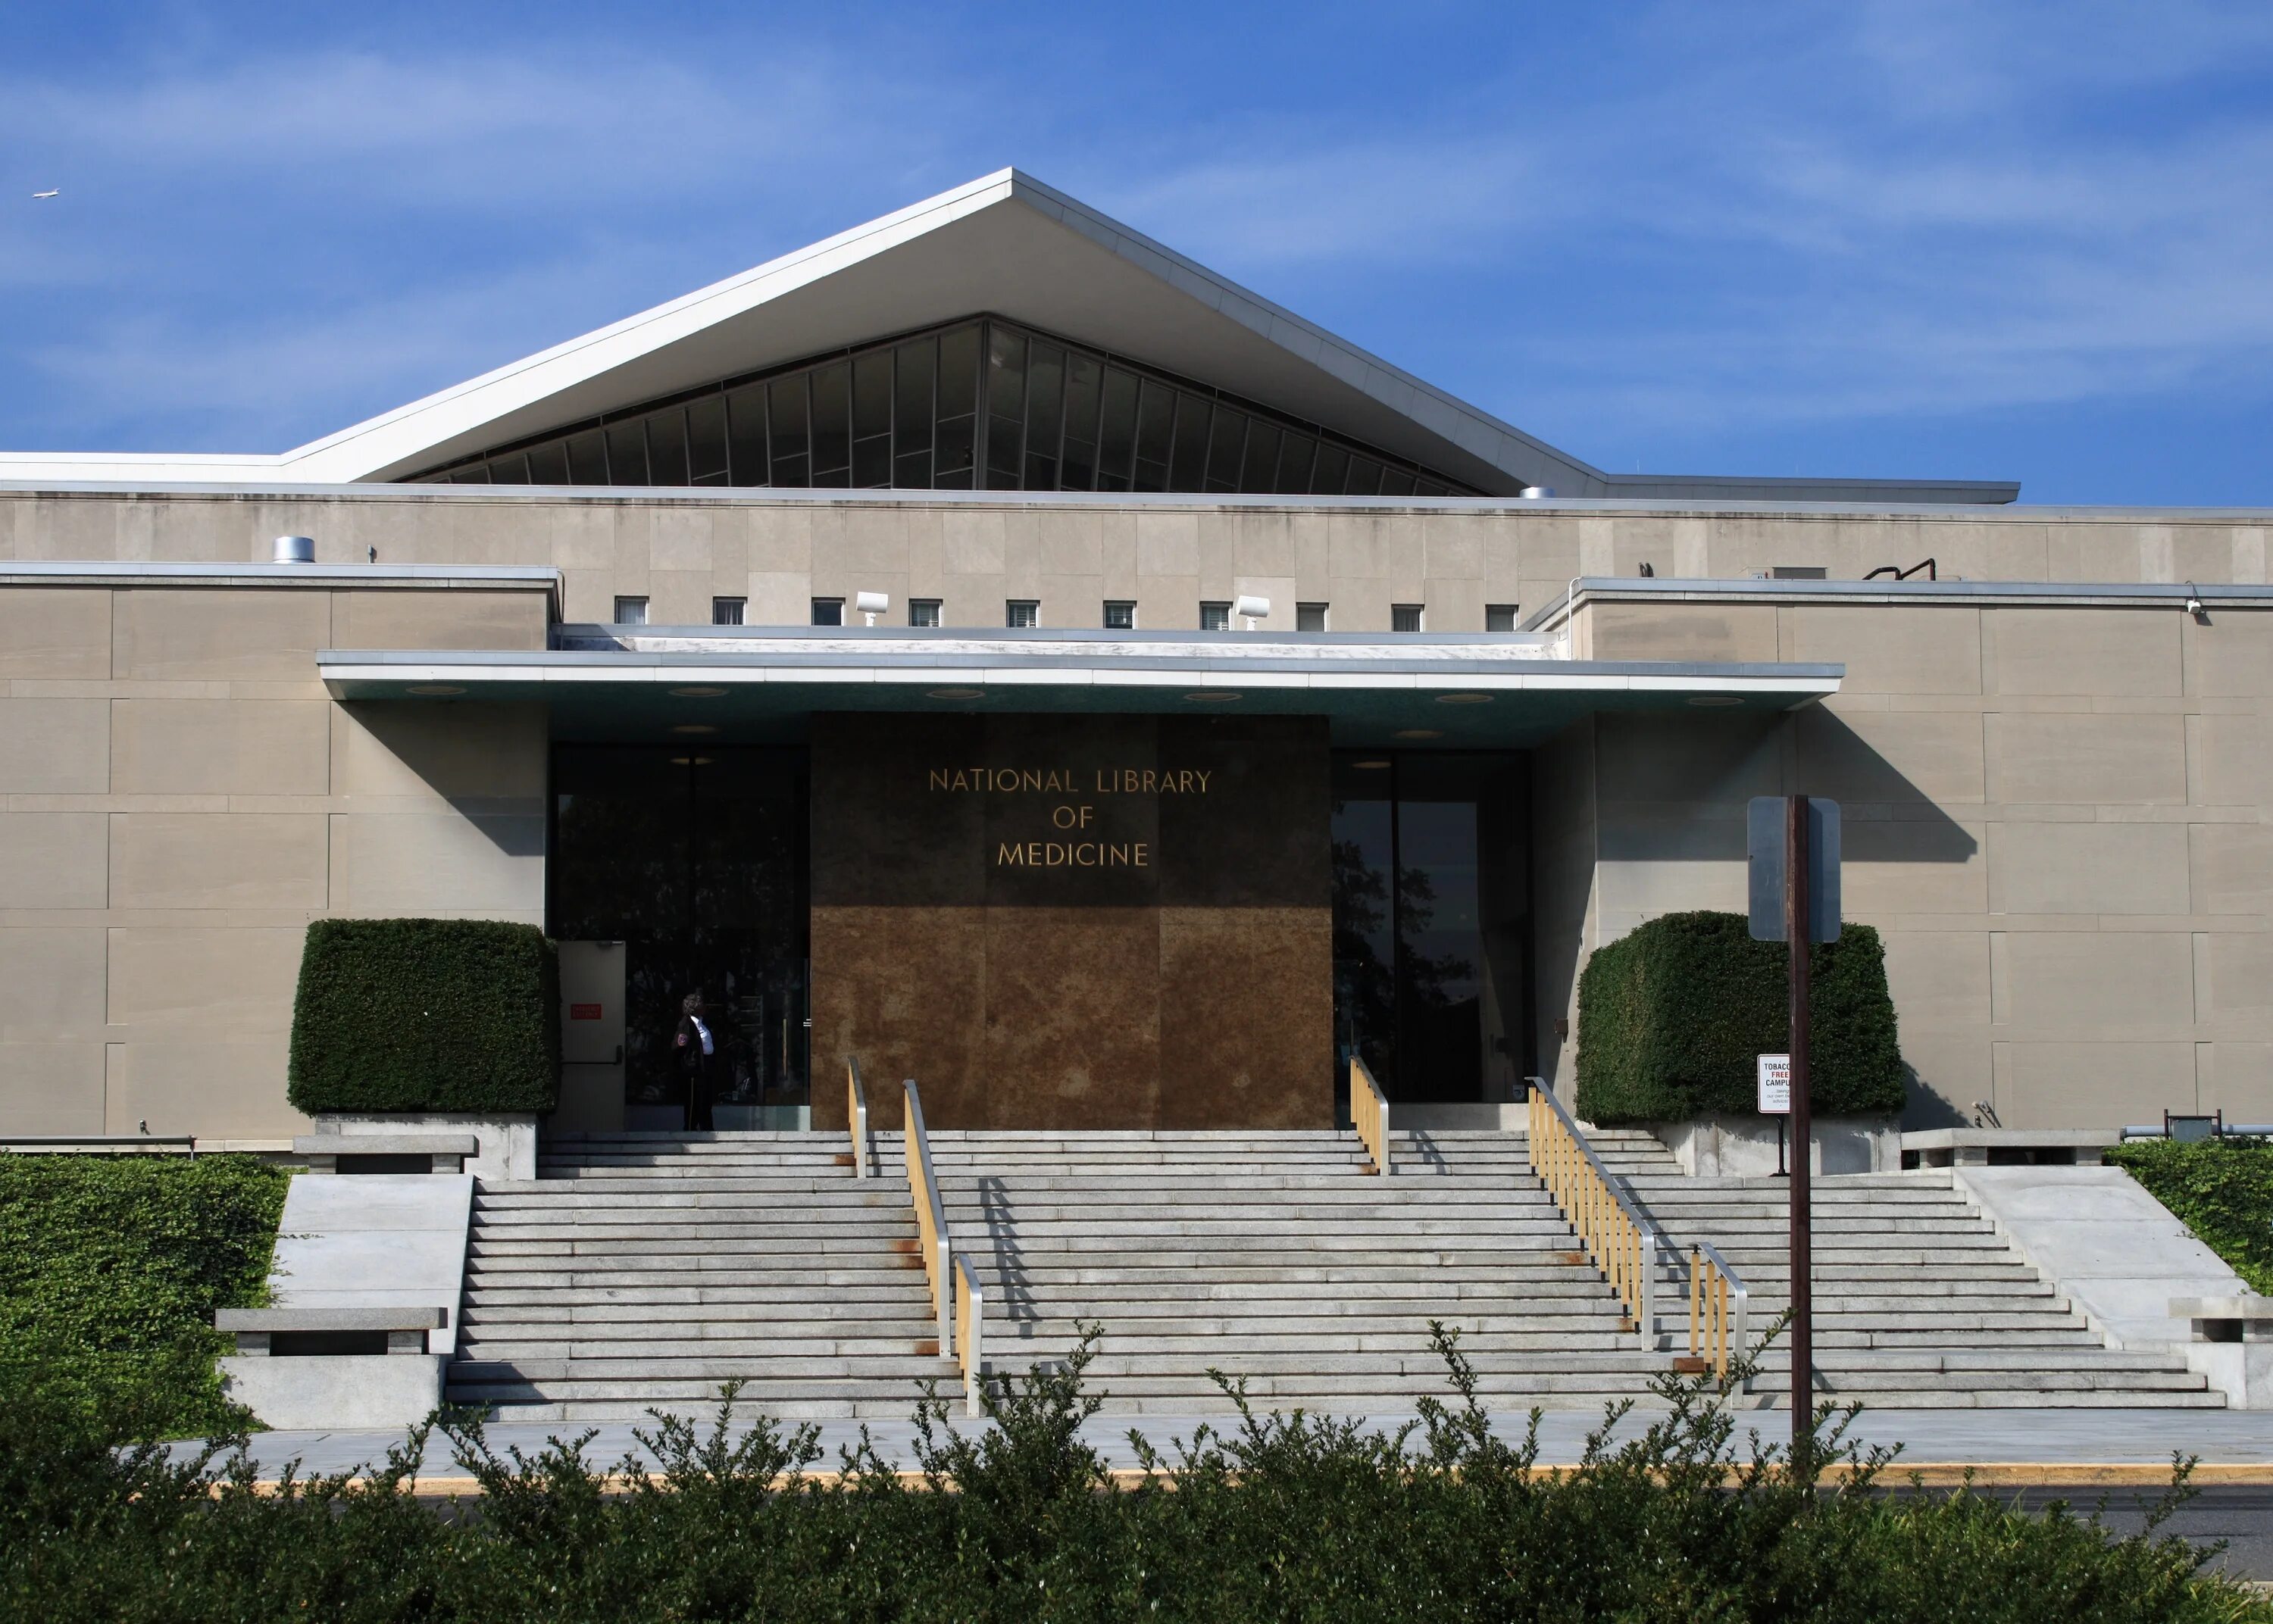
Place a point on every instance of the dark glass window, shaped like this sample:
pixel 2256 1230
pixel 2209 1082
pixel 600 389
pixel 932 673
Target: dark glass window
pixel 745 434
pixel 1116 434
pixel 694 858
pixel 1006 407
pixel 829 612
pixel 785 403
pixel 587 459
pixel 923 411
pixel 666 448
pixel 548 465
pixel 832 437
pixel 1045 414
pixel 728 611
pixel 705 440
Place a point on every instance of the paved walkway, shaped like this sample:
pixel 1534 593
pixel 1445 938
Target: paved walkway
pixel 2014 1447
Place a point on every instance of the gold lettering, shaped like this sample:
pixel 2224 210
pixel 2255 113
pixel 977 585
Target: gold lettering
pixel 1142 853
pixel 1063 817
pixel 939 778
pixel 1010 855
pixel 1088 847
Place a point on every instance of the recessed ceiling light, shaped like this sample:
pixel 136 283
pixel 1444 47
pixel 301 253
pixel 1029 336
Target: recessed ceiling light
pixel 435 688
pixel 1370 767
pixel 1464 699
pixel 694 727
pixel 1211 696
pixel 696 693
pixel 958 694
pixel 1714 701
pixel 1420 733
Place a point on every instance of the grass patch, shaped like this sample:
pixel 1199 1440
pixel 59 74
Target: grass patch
pixel 2222 1189
pixel 110 1269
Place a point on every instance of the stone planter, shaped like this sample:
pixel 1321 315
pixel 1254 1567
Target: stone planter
pixel 509 1142
pixel 1744 1147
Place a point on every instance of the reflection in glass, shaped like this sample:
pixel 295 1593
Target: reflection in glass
pixel 697 864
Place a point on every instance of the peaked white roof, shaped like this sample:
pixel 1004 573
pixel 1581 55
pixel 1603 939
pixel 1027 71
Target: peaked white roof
pixel 1007 244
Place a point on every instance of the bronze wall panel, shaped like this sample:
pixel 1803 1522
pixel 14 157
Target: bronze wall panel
pixel 1078 945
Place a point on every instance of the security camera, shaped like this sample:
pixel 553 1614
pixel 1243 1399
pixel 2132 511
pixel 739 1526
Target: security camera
pixel 1251 609
pixel 872 605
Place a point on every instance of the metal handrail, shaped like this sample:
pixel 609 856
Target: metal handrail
pixel 1623 1240
pixel 1719 1309
pixel 856 1118
pixel 969 1354
pixel 931 1218
pixel 1370 1113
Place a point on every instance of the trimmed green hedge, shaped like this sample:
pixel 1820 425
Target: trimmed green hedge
pixel 1672 1016
pixel 2221 1190
pixel 426 1014
pixel 111 1268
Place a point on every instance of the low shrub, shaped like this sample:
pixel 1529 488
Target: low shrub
pixel 426 1016
pixel 2221 1189
pixel 1673 1014
pixel 111 1268
pixel 1272 1517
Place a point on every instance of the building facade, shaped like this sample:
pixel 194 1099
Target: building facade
pixel 1065 832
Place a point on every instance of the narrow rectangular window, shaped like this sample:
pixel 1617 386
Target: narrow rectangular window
pixel 1021 612
pixel 1120 616
pixel 829 612
pixel 727 611
pixel 706 441
pixel 923 611
pixel 631 611
pixel 1309 616
pixel 1215 617
pixel 1500 617
pixel 1405 616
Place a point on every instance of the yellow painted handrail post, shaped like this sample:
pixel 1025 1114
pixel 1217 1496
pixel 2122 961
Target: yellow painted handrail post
pixel 931 1217
pixel 969 1349
pixel 856 1118
pixel 1369 1114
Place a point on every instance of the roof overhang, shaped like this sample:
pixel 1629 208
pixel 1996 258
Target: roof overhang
pixel 693 685
pixel 1004 244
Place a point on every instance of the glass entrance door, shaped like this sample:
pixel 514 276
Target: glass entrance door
pixel 1432 920
pixel 695 861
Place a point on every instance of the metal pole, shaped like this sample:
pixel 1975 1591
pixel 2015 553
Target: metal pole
pixel 1802 1305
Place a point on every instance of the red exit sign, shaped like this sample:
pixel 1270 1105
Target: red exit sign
pixel 583 1012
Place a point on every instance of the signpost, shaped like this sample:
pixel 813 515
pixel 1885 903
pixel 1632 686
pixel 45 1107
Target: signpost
pixel 1775 1097
pixel 1800 860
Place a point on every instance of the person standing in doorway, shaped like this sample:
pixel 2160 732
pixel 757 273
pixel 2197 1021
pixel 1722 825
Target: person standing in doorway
pixel 697 1049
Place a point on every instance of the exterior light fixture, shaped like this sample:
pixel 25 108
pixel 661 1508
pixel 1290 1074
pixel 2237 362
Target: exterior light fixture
pixel 1420 733
pixel 694 726
pixel 1370 767
pixel 1536 493
pixel 435 689
pixel 1251 609
pixel 957 693
pixel 1211 696
pixel 690 761
pixel 872 605
pixel 1714 701
pixel 1464 699
pixel 696 693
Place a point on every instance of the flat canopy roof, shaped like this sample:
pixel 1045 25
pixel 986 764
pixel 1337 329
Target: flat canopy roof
pixel 757 685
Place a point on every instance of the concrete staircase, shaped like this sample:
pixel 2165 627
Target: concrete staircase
pixel 1918 1301
pixel 1280 1258
pixel 644 1270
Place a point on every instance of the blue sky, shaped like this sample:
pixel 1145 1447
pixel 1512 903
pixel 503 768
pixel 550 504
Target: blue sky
pixel 1970 240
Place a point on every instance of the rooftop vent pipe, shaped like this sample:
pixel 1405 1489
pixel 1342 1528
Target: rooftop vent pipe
pixel 1533 493
pixel 295 549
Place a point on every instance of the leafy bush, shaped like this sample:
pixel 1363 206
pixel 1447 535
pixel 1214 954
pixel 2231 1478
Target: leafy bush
pixel 1275 1517
pixel 2221 1189
pixel 1672 1014
pixel 111 1268
pixel 426 1016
